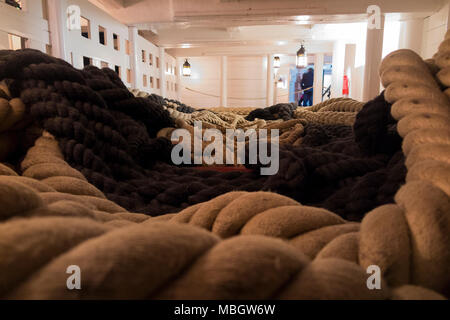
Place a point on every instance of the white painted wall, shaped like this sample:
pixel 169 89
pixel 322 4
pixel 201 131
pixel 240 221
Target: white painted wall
pixel 153 71
pixel 145 67
pixel 171 77
pixel 337 75
pixel 397 35
pixel 411 35
pixel 28 23
pixel 247 81
pixel 349 67
pixel 420 35
pixel 357 33
pixel 434 28
pixel 76 46
pixel 246 75
pixel 286 63
pixel 205 77
pixel 406 34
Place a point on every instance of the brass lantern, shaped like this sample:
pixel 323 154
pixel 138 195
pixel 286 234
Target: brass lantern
pixel 302 59
pixel 276 62
pixel 186 68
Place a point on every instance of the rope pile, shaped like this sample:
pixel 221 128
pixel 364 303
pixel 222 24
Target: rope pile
pixel 422 204
pixel 240 245
pixel 12 111
pixel 441 63
pixel 282 111
pixel 222 120
pixel 111 137
pixel 337 104
pixel 393 236
pixel 347 171
pixel 290 133
pixel 174 107
pixel 181 107
pixel 316 256
pixel 326 117
pixel 242 111
pixel 333 111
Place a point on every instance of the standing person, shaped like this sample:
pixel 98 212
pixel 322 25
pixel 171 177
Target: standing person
pixel 301 100
pixel 298 89
pixel 308 82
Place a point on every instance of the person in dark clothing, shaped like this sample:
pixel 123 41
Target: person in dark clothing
pixel 308 82
pixel 300 101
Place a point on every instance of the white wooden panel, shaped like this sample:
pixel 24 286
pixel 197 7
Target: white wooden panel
pixel 247 81
pixel 4 40
pixel 205 78
pixel 171 76
pixel 438 19
pixel 434 28
pixel 146 68
pixel 79 46
pixel 436 36
pixel 25 23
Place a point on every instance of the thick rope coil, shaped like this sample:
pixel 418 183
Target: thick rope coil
pixel 408 240
pixel 325 103
pixel 416 121
pixel 390 251
pixel 174 114
pixel 272 217
pixel 260 213
pixel 326 117
pixel 259 267
pixel 191 254
pixel 242 111
pixel 11 112
pixel 291 133
pixel 442 60
pixel 70 183
pixel 6 171
pixel 383 240
pixel 407 106
pixel 429 151
pixel 171 105
pixel 225 120
pixel 424 202
pixel 222 120
pixel 12 123
pixel 347 105
pixel 194 263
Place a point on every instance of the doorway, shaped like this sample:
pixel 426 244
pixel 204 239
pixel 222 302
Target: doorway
pixel 295 88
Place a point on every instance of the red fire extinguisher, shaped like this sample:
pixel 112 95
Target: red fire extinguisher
pixel 345 90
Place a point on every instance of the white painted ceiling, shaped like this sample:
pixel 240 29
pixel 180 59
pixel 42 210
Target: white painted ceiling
pixel 249 27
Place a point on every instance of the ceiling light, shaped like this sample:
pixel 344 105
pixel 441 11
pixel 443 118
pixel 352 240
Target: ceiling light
pixel 302 59
pixel 280 83
pixel 186 68
pixel 302 18
pixel 276 62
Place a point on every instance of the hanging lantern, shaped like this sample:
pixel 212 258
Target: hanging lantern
pixel 302 60
pixel 186 69
pixel 280 83
pixel 15 3
pixel 276 62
